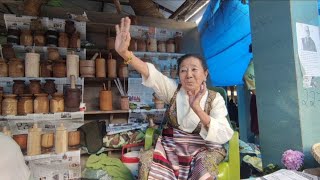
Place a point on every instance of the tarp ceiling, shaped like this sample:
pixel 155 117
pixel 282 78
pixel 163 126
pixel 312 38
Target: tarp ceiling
pixel 225 39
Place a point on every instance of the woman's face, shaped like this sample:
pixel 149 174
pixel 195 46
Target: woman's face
pixel 192 74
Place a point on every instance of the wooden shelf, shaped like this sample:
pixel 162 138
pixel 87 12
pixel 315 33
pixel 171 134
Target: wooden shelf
pixel 100 79
pixel 123 111
pixel 107 112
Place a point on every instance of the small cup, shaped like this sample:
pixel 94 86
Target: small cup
pixel 124 103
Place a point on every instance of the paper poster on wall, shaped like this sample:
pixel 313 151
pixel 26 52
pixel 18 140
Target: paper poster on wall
pixel 308 40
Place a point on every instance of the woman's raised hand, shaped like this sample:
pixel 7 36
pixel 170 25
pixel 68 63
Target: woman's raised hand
pixel 123 36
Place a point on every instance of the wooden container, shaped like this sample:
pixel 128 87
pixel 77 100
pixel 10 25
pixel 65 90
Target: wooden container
pixel 87 68
pixel 47 140
pixel 39 38
pixel 16 67
pixel 34 140
pixel 133 45
pixel 18 87
pixel 174 72
pixel 57 103
pixel 72 96
pixel 100 67
pixel 69 27
pixel 152 45
pixel 52 37
pixel 25 104
pixel 141 45
pixel 53 54
pixel 72 65
pixel 178 43
pixel 158 104
pixel 8 52
pixel 1 97
pixel 45 69
pixel 123 71
pixel 13 35
pixel 49 86
pixel 34 86
pixel 161 46
pixel 32 64
pixel 110 43
pixel 63 40
pixel 41 103
pixel 21 140
pixel 61 139
pixel 73 138
pixel 105 100
pixel 36 25
pixel 9 105
pixel 170 46
pixel 59 69
pixel 124 103
pixel 26 38
pixel 112 66
pixel 74 41
pixel 3 68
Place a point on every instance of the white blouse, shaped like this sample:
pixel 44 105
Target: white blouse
pixel 219 131
pixel 12 164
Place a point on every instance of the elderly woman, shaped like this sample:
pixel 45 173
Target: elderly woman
pixel 195 124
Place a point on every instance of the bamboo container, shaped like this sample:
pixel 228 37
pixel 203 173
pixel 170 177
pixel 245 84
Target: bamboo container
pixel 57 103
pixel 25 104
pixel 16 67
pixel 105 99
pixel 110 43
pixel 152 45
pixel 34 86
pixel 9 105
pixel 47 141
pixel 26 38
pixel 61 139
pixel 45 69
pixel 53 54
pixel 112 66
pixel 161 46
pixel 170 46
pixel 18 87
pixel 124 103
pixel 100 67
pixel 123 71
pixel 3 68
pixel 41 103
pixel 141 45
pixel 73 138
pixel 59 69
pixel 72 65
pixel 39 38
pixel 72 96
pixel 87 67
pixel 133 45
pixel 63 40
pixel 32 64
pixel 34 140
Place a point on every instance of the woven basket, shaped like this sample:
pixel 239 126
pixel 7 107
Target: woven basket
pixel 315 151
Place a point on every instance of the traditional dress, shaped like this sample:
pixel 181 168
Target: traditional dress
pixel 187 149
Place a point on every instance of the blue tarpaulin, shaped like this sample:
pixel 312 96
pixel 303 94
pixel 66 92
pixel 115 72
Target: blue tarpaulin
pixel 225 39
